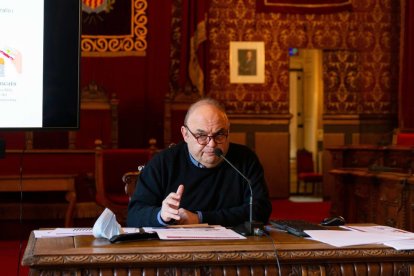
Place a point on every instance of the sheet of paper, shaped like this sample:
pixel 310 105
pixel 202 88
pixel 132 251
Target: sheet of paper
pixel 341 238
pixel 198 233
pixel 380 229
pixel 68 232
pixel 401 244
pixel 199 225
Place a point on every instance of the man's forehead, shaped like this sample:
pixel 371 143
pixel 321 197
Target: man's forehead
pixel 207 113
pixel 207 125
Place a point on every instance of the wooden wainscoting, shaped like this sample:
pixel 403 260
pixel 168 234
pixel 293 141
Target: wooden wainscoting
pixel 269 138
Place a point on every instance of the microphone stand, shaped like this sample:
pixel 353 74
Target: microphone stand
pixel 250 228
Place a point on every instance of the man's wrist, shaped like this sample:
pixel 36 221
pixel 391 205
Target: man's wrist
pixel 200 216
pixel 162 222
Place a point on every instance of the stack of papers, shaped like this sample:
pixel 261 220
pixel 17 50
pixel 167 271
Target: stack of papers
pixel 200 232
pixel 359 235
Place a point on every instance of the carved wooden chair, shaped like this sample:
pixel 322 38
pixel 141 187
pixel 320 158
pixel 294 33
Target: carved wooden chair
pixel 130 181
pixel 130 178
pixel 306 173
pixel 111 165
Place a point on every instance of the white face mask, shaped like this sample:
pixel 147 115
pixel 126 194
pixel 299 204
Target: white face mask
pixel 106 225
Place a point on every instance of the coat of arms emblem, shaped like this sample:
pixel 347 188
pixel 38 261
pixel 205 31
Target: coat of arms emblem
pixel 96 6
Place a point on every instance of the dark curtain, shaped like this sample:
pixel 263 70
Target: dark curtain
pixel 193 44
pixel 406 110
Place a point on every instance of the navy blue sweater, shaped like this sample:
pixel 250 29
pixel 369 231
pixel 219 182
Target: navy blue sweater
pixel 220 193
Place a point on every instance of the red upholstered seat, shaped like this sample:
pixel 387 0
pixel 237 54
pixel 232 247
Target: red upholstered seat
pixel 305 171
pixel 310 176
pixel 405 139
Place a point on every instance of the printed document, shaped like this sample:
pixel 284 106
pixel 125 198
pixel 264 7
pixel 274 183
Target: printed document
pixel 197 233
pixel 359 235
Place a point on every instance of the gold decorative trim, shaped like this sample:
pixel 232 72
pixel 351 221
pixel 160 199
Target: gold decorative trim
pixel 315 5
pixel 133 44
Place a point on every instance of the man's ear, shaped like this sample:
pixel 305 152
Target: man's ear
pixel 184 133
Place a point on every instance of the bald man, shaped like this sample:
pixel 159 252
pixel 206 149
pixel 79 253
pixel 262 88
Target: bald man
pixel 189 184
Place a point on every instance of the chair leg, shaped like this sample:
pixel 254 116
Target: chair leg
pixel 305 188
pixel 304 184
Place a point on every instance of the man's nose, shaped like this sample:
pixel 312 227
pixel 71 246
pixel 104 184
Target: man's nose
pixel 211 140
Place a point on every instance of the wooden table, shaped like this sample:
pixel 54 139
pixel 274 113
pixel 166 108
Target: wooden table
pixel 43 183
pixel 85 255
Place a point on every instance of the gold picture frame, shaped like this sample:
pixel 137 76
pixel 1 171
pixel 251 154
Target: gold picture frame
pixel 247 60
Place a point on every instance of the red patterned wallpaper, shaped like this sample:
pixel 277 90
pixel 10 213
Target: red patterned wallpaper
pixel 363 43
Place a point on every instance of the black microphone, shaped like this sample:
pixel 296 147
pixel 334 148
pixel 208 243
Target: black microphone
pixel 250 228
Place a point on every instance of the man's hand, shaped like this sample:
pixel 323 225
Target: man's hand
pixel 187 217
pixel 170 205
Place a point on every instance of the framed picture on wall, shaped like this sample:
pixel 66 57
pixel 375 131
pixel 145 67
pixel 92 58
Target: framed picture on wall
pixel 247 62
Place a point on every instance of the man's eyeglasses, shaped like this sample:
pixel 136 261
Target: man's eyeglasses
pixel 202 139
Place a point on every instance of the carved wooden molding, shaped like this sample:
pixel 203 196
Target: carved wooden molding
pixel 137 259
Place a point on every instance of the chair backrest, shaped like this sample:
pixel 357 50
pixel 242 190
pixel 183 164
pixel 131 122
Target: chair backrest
pixel 130 180
pixel 111 165
pixel 99 114
pixel 304 161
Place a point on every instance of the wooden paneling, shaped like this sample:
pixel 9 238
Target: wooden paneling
pixel 269 138
pixel 330 139
pixel 238 137
pixel 273 152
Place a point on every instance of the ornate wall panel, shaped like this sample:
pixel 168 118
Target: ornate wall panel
pixel 341 81
pixel 370 32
